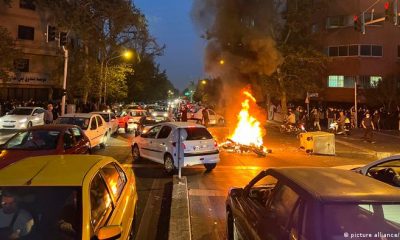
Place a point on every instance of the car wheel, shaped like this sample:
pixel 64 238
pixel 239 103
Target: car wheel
pixel 210 166
pixel 29 125
pixel 104 142
pixel 135 153
pixel 169 166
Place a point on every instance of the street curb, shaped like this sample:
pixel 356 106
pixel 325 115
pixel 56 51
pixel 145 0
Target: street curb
pixel 179 222
pixel 379 155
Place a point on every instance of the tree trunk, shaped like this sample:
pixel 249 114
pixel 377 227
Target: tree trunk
pixel 284 102
pixel 85 89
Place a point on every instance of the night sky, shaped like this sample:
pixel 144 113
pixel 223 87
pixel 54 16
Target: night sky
pixel 171 24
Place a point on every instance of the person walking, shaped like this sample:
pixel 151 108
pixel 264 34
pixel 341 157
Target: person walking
pixel 315 113
pixel 48 114
pixel 331 116
pixel 368 126
pixel 184 114
pixel 205 117
pixel 376 119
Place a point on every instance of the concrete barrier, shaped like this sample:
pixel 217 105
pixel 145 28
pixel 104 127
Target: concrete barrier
pixel 179 222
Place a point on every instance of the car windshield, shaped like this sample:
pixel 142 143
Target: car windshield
pixel 21 111
pixel 343 220
pixel 196 133
pixel 50 209
pixel 106 117
pixel 79 121
pixel 34 140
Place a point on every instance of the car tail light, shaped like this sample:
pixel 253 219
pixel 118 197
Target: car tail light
pixel 215 144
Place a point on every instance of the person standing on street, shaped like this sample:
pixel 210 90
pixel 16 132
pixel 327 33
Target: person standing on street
pixel 48 114
pixel 368 126
pixel 205 117
pixel 315 113
pixel 184 114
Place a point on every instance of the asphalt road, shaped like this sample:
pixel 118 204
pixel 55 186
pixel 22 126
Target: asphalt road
pixel 207 191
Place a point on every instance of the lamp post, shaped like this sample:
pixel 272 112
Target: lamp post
pixel 127 55
pixel 65 80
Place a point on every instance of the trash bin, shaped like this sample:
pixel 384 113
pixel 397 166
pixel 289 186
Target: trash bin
pixel 318 143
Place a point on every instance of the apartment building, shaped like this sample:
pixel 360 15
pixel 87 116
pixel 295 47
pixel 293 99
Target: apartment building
pixel 356 57
pixel 38 72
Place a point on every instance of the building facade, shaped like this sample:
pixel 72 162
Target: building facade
pixel 38 71
pixel 357 58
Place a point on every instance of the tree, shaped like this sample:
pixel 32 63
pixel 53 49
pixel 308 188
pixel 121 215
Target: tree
pixel 304 64
pixel 386 92
pixel 8 53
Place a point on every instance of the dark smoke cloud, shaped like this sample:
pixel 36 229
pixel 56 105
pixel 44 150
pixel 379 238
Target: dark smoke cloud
pixel 238 32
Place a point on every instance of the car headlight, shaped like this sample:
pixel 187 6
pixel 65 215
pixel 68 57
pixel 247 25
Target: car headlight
pixel 165 115
pixel 23 120
pixel 154 114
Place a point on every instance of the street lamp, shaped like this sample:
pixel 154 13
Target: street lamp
pixel 127 54
pixel 204 82
pixel 222 62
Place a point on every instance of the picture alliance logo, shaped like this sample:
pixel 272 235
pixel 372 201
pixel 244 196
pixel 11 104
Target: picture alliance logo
pixel 377 235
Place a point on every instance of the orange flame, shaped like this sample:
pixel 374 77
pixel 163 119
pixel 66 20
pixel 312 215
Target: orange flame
pixel 248 130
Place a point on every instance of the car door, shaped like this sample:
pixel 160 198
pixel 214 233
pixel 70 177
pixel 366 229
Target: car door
pixel 113 122
pixel 161 143
pixel 148 145
pixel 101 126
pixel 122 196
pixel 252 207
pixel 280 208
pixel 101 204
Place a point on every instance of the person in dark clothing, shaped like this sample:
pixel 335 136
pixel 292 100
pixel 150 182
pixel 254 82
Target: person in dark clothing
pixel 368 126
pixel 55 112
pixel 184 114
pixel 205 116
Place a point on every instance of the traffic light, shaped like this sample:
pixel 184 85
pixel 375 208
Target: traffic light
pixel 357 25
pixel 63 40
pixel 387 10
pixel 51 33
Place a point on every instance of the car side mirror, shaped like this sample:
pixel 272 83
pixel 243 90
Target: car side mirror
pixel 35 114
pixel 109 232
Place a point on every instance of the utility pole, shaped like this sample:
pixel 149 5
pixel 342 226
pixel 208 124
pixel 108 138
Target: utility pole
pixel 64 91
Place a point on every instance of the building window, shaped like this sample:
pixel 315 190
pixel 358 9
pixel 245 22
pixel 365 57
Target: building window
pixel 353 50
pixel 21 65
pixel 27 4
pixel 374 81
pixel 365 50
pixel 343 51
pixel 338 21
pixel 377 51
pixel 26 33
pixel 335 81
pixel 333 51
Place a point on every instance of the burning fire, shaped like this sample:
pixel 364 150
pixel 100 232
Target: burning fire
pixel 248 131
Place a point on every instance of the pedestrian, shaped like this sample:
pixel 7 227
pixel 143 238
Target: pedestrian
pixel 315 113
pixel 272 109
pixel 205 117
pixel 48 114
pixel 368 126
pixel 184 114
pixel 376 119
pixel 331 116
pixel 55 111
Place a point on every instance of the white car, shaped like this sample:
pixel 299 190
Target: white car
pixel 111 121
pixel 94 126
pixel 22 117
pixel 134 116
pixel 215 119
pixel 160 144
pixel 385 170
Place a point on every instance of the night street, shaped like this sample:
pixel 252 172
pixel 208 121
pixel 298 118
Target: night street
pixel 207 191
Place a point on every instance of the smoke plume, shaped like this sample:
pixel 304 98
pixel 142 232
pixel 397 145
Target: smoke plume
pixel 240 48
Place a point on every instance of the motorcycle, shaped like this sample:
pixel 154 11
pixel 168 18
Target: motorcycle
pixel 334 128
pixel 293 129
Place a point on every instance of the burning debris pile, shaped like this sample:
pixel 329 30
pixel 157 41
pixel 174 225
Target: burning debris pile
pixel 248 135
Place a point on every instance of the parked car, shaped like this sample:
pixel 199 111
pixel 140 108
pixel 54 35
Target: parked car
pixel 386 170
pixel 93 125
pixel 42 140
pixel 111 121
pixel 22 118
pixel 73 197
pixel 215 119
pixel 160 144
pixel 311 203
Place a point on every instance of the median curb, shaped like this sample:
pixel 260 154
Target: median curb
pixel 179 222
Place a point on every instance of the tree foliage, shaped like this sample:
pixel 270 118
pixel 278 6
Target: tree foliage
pixel 100 31
pixel 304 64
pixel 8 53
pixel 385 93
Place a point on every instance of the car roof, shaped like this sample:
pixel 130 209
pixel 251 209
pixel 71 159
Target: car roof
pixel 53 127
pixel 100 112
pixel 84 115
pixel 337 185
pixel 183 124
pixel 56 170
pixel 29 107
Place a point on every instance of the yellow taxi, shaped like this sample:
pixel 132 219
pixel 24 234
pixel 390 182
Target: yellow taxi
pixel 67 197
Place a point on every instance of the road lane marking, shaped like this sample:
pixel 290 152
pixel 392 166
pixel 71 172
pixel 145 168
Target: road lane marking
pixel 207 193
